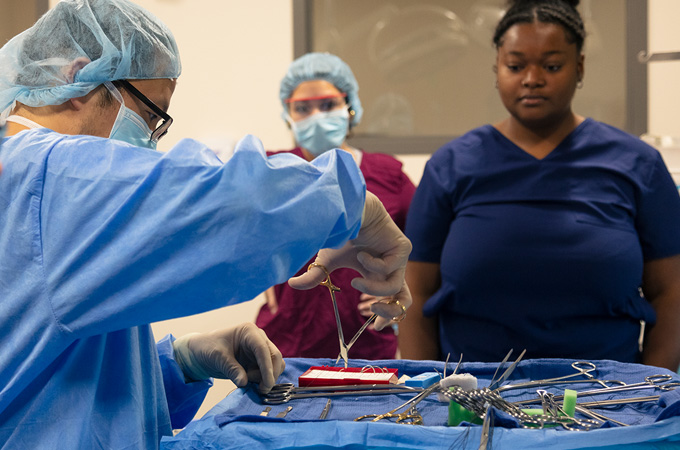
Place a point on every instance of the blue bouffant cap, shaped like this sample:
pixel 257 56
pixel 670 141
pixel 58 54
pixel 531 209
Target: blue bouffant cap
pixel 78 45
pixel 322 66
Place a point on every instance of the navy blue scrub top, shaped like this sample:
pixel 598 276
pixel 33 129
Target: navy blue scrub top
pixel 543 254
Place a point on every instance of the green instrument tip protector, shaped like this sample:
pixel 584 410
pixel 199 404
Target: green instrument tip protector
pixel 569 402
pixel 458 414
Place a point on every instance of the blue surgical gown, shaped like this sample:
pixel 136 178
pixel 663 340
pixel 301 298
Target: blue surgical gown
pixel 100 238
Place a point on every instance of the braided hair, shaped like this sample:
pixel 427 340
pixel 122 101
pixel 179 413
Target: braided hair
pixel 561 12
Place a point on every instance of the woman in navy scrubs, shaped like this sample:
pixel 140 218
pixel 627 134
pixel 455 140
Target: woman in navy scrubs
pixel 547 231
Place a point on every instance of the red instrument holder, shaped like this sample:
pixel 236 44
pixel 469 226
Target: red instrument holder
pixel 340 376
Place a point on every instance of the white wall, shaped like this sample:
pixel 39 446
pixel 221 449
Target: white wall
pixel 664 93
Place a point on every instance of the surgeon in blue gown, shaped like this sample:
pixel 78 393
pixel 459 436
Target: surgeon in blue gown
pixel 101 235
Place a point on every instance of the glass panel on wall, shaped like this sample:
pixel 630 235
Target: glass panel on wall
pixel 18 15
pixel 425 68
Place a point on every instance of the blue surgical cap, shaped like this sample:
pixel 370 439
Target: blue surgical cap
pixel 78 45
pixel 322 66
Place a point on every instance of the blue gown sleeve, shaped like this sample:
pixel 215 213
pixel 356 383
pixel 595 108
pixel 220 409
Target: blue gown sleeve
pixel 184 399
pixel 131 236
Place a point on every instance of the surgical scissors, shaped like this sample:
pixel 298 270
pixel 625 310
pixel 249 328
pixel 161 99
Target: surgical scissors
pixel 370 320
pixel 332 289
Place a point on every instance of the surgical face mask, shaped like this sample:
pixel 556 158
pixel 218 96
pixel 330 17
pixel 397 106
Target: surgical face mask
pixel 129 126
pixel 322 131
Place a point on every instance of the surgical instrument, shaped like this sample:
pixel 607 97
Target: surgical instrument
pixel 539 383
pixel 597 416
pixel 411 416
pixel 499 366
pixel 370 320
pixel 508 371
pixel 265 412
pixel 620 401
pixel 283 413
pixel 477 401
pixel 486 428
pixel 651 382
pixel 283 396
pixel 326 409
pixel 661 381
pixel 583 368
pixel 290 388
pixel 332 289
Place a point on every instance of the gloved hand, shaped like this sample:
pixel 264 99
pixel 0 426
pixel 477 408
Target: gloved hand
pixel 364 306
pixel 241 354
pixel 379 253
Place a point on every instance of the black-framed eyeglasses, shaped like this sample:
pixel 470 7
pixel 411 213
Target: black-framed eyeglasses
pixel 162 129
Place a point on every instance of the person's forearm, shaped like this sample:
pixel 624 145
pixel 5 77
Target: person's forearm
pixel 418 337
pixel 662 343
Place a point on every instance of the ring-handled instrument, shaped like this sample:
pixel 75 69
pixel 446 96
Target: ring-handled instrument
pixel 583 368
pixel 284 395
pixel 661 381
pixel 332 289
pixel 371 319
pixel 344 348
pixel 410 416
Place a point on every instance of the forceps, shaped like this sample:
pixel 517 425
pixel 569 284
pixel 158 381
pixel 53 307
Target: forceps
pixel 583 368
pixel 332 289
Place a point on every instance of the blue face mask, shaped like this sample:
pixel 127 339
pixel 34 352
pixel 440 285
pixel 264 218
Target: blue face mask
pixel 322 131
pixel 129 126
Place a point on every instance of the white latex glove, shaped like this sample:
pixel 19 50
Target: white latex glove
pixel 241 354
pixel 364 306
pixel 379 253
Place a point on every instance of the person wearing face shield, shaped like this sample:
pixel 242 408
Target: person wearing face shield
pixel 319 95
pixel 103 235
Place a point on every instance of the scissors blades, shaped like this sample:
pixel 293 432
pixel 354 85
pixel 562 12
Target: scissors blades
pixel 508 371
pixel 343 347
pixel 356 336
